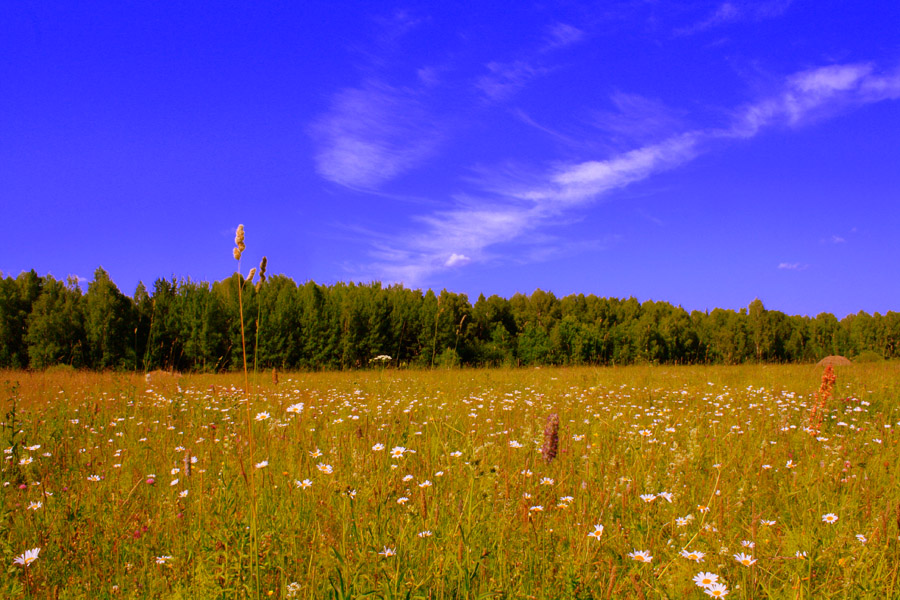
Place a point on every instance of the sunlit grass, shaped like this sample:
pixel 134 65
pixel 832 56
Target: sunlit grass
pixel 432 485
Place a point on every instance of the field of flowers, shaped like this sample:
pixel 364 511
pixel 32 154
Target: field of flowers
pixel 688 482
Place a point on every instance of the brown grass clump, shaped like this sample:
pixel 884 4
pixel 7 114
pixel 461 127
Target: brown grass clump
pixel 160 376
pixel 834 360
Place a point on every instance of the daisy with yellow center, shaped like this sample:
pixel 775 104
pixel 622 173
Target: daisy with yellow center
pixel 744 559
pixel 641 556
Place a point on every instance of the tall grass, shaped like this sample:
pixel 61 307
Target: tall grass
pixel 465 506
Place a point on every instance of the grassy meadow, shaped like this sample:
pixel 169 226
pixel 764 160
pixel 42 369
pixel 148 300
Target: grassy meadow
pixel 432 484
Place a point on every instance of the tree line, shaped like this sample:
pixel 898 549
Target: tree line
pixel 195 326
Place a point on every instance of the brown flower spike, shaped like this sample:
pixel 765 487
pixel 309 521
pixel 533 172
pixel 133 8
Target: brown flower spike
pixel 551 438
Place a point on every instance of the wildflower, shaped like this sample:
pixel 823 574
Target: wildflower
pixel 536 508
pixel 551 438
pixel 33 448
pixel 425 484
pixel 27 460
pixel 748 544
pixel 388 552
pixel 327 469
pixel 175 471
pixel 316 453
pixel 695 556
pixel 407 478
pixel 34 505
pixel 546 481
pixel 296 409
pixel 173 482
pixel 378 447
pixel 397 451
pixel 27 558
pixel 667 495
pixel 641 556
pixel 702 509
pixel 597 532
pixel 93 478
pixel 161 560
pixel 293 589
pixel 648 497
pixel 425 534
pixel 262 416
pixel 402 500
pixel 800 554
pixel 744 559
pixel 183 494
pixel 262 464
pixel 862 539
pixel 716 590
pixel 830 518
pixel 767 522
pixel 766 467
pixel 456 454
pixel 306 483
pixel 705 579
pixel 526 473
pixel 790 464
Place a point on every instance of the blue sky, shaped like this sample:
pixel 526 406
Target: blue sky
pixel 702 153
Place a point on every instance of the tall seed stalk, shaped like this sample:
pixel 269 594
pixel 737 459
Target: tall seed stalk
pixel 254 537
pixel 262 278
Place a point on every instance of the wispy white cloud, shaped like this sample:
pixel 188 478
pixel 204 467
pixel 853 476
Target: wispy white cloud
pixel 514 207
pixel 733 12
pixel 814 94
pixel 561 35
pixel 456 260
pixel 785 266
pixel 635 118
pixel 372 134
pixel 528 120
pixel 504 79
pixel 726 12
pixel 577 183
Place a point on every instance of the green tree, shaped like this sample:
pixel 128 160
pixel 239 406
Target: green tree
pixel 56 325
pixel 165 344
pixel 108 324
pixel 17 296
pixel 760 333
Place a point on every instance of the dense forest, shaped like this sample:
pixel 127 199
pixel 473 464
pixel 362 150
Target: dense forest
pixel 191 326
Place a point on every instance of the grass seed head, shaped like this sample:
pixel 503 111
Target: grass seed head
pixel 239 242
pixel 262 272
